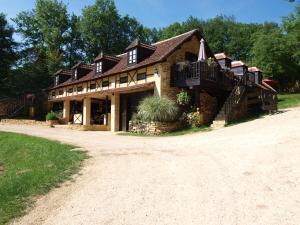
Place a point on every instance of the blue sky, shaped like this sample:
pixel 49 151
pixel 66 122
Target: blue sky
pixel 160 13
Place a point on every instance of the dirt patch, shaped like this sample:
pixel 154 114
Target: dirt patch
pixel 2 168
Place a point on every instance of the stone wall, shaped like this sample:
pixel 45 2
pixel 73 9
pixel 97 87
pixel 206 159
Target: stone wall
pixel 191 46
pixel 155 128
pixel 24 122
pixel 208 107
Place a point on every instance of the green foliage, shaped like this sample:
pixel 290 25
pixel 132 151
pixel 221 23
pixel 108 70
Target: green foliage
pixel 52 116
pixel 274 56
pixel 103 29
pixel 32 166
pixel 195 119
pixel 288 100
pixel 183 98
pixel 158 109
pixel 7 54
pixel 211 62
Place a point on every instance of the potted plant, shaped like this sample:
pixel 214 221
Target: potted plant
pixel 211 62
pixel 183 98
pixel 52 118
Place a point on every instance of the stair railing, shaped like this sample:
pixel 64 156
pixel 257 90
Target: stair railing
pixel 234 98
pixel 10 107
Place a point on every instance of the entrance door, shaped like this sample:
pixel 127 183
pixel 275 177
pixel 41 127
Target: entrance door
pixel 129 106
pixel 124 111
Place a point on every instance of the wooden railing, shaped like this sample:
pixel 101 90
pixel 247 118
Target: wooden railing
pixel 11 106
pixel 193 73
pixel 269 100
pixel 234 99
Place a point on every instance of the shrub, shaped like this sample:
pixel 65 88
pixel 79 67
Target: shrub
pixel 195 119
pixel 183 98
pixel 52 116
pixel 157 109
pixel 211 62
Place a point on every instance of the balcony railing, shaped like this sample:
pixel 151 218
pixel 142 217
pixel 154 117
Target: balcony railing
pixel 200 73
pixel 191 74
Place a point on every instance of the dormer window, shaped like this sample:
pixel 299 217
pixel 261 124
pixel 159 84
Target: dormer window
pixel 99 67
pixel 137 52
pixel 132 56
pixel 104 63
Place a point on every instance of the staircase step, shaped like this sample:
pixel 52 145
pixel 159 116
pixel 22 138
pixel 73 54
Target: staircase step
pixel 218 124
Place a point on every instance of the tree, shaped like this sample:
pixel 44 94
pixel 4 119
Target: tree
pixel 74 51
pixel 272 55
pixel 7 53
pixel 52 19
pixel 103 29
pixel 100 25
pixel 44 31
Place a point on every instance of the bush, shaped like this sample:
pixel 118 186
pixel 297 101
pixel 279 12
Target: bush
pixel 157 109
pixel 195 119
pixel 52 116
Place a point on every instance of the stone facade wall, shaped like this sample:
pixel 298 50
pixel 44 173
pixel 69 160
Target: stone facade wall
pixel 208 107
pixel 24 122
pixel 191 46
pixel 153 127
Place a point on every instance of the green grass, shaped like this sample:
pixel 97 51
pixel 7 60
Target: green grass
pixel 31 166
pixel 183 131
pixel 288 100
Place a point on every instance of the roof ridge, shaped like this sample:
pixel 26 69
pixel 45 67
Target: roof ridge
pixel 191 31
pixel 169 39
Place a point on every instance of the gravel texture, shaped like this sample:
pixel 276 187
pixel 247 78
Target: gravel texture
pixel 244 174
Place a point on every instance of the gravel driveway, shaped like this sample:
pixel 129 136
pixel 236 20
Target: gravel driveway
pixel 244 174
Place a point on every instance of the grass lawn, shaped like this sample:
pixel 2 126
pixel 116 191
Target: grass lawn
pixel 31 166
pixel 288 100
pixel 183 131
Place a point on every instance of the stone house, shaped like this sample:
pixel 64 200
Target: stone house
pixel 105 94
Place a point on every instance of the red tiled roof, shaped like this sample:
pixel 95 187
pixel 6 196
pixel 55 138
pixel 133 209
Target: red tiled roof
pixel 137 43
pixel 108 57
pixel 63 72
pixel 82 65
pixel 162 50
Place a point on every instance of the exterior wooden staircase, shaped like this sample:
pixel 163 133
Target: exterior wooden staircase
pixel 12 107
pixel 234 100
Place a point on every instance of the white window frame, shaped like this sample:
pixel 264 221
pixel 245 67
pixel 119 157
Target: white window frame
pixel 132 56
pixel 99 67
pixel 56 80
pixel 75 74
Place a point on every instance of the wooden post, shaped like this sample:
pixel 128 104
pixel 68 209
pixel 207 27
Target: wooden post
pixel 87 112
pixel 106 110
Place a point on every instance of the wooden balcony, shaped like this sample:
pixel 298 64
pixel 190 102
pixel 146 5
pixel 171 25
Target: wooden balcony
pixel 199 74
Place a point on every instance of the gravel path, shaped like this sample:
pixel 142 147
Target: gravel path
pixel 244 174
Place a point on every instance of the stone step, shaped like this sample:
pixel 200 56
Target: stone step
pixel 218 124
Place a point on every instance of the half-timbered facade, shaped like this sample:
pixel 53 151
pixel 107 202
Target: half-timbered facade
pixel 105 94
